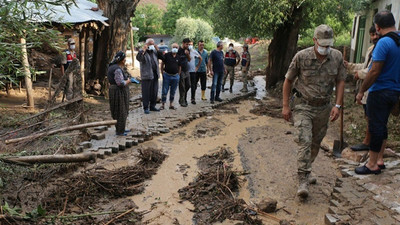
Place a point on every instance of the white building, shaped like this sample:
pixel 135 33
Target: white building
pixel 363 21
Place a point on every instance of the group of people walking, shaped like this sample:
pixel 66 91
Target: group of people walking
pixel 183 67
pixel 311 77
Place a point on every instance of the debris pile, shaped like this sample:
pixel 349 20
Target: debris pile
pixel 213 191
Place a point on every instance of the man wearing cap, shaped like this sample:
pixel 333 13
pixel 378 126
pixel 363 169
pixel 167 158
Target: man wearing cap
pixel 246 59
pixel 317 70
pixel 232 59
pixel 68 56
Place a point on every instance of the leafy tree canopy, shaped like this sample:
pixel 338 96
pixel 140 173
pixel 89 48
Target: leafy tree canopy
pixel 16 21
pixel 147 19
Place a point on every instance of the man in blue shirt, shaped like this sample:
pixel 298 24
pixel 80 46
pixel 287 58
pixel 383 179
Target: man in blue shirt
pixel 383 83
pixel 217 69
pixel 201 73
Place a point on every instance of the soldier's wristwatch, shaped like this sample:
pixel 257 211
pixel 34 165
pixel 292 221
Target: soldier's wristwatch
pixel 338 106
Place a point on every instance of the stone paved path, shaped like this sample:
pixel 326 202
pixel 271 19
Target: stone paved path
pixel 144 126
pixel 371 199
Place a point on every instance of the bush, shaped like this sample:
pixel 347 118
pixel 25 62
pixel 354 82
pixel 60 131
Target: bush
pixel 195 29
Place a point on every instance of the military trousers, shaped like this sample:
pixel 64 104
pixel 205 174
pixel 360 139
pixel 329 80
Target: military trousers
pixel 230 71
pixel 311 124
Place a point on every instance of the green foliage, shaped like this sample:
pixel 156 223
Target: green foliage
pixel 262 17
pixel 36 213
pixel 147 19
pixel 15 23
pixel 195 29
pixel 175 10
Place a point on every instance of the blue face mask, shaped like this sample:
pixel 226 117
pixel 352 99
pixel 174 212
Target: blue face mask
pixel 174 50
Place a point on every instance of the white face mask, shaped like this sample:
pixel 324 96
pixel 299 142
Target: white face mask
pixel 230 48
pixel 72 47
pixel 152 48
pixel 323 50
pixel 190 47
pixel 174 50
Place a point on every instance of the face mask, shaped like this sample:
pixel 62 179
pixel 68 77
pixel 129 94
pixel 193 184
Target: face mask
pixel 230 48
pixel 174 50
pixel 323 50
pixel 152 48
pixel 72 47
pixel 190 47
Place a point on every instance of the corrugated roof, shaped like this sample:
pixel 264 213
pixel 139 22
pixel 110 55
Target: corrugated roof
pixel 80 13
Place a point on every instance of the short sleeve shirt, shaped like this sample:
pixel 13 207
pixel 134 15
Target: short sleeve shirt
pixel 315 79
pixel 171 63
pixel 192 64
pixel 217 59
pixel 203 65
pixel 388 52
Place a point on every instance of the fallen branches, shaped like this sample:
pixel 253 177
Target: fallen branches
pixel 212 191
pixel 83 157
pixel 77 99
pixel 64 129
pixel 87 188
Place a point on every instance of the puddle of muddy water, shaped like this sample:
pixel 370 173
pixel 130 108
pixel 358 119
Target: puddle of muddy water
pixel 161 194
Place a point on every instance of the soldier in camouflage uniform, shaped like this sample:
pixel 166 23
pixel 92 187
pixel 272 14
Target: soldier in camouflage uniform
pixel 316 71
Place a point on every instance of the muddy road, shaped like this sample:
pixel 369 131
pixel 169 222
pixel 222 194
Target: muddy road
pixel 261 145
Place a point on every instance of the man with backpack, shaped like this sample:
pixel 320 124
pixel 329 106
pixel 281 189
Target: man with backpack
pixel 383 83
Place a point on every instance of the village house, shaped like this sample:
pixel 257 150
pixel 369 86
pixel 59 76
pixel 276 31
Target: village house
pixel 363 21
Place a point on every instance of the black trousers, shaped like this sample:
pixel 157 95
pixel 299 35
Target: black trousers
pixel 149 93
pixel 202 76
pixel 193 84
pixel 184 86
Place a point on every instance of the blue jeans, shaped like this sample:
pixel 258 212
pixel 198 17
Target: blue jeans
pixel 379 105
pixel 216 85
pixel 169 82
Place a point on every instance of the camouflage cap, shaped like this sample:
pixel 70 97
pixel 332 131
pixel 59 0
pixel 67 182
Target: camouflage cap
pixel 324 35
pixel 71 41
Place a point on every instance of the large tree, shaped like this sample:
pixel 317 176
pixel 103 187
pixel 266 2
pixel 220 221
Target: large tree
pixel 281 20
pixel 114 37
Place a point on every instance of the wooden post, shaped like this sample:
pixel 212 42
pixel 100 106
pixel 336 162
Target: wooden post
pixel 82 38
pixel 87 52
pixel 50 75
pixel 132 49
pixel 27 72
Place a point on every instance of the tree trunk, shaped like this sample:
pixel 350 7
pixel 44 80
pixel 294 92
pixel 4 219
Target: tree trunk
pixel 27 73
pixel 82 50
pixel 114 37
pixel 283 47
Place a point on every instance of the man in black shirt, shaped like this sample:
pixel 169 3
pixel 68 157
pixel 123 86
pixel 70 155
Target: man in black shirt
pixel 170 69
pixel 184 80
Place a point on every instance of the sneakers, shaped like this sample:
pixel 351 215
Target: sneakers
pixel 218 99
pixel 154 109
pixel 302 190
pixel 146 111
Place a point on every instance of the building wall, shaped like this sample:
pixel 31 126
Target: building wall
pixel 377 6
